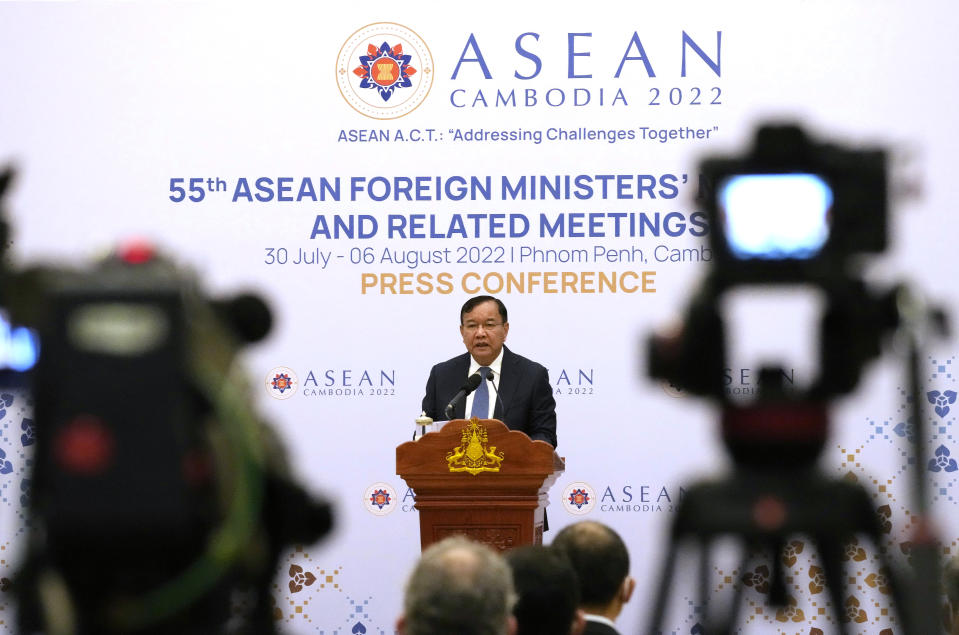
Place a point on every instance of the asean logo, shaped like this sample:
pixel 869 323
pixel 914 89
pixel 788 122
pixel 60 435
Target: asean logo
pixel 380 499
pixel 281 382
pixel 579 498
pixel 384 71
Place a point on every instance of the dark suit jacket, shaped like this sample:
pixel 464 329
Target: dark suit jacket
pixel 596 628
pixel 523 389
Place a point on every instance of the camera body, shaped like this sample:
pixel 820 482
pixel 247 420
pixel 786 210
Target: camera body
pixel 158 497
pixel 790 212
pixel 793 210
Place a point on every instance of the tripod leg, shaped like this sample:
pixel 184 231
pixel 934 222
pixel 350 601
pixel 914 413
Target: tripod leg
pixel 904 610
pixel 777 581
pixel 705 557
pixel 662 592
pixel 726 626
pixel 830 550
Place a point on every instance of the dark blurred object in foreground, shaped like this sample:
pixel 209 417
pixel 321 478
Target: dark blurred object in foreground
pixel 159 502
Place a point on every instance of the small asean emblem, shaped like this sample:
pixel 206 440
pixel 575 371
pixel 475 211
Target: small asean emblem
pixel 281 382
pixel 384 70
pixel 473 455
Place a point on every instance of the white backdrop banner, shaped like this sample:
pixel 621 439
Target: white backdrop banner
pixel 367 168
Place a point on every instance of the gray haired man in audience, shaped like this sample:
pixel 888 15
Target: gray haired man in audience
pixel 460 587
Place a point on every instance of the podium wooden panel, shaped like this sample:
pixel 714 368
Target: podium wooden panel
pixel 479 478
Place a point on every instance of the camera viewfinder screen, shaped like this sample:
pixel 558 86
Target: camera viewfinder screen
pixel 775 216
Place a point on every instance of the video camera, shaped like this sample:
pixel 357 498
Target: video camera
pixel 790 212
pixel 798 214
pixel 794 210
pixel 159 501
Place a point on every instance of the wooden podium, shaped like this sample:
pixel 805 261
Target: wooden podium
pixel 480 479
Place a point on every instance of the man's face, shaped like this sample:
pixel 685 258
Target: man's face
pixel 484 332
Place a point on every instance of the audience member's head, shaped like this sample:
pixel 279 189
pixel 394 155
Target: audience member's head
pixel 461 587
pixel 601 563
pixel 547 592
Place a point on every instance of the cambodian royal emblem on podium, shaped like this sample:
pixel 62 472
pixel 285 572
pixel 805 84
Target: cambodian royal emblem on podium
pixel 473 455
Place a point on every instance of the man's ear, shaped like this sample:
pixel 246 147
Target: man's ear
pixel 627 588
pixel 401 624
pixel 579 623
pixel 511 625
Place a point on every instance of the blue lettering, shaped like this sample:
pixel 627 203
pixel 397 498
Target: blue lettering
pixel 668 184
pixel 677 228
pixel 530 56
pixel 635 41
pixel 571 41
pixel 283 188
pixel 471 43
pixel 545 228
pixel 264 184
pixel 242 190
pixel 698 220
pixel 320 228
pixel 715 66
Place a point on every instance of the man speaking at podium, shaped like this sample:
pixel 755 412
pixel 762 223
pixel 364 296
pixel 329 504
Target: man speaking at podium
pixel 510 387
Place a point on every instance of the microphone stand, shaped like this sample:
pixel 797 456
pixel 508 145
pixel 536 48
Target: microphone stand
pixel 490 378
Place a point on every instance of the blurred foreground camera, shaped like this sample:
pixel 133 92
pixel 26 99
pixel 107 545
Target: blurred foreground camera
pixel 793 210
pixel 790 212
pixel 797 214
pixel 159 501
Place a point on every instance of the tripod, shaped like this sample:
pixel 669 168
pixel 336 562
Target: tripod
pixel 763 505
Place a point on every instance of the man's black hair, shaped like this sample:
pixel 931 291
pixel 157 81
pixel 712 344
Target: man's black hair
pixel 598 556
pixel 546 588
pixel 472 303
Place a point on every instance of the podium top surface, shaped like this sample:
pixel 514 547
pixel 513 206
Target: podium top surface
pixel 474 447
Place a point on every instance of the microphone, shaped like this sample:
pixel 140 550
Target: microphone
pixel 496 390
pixel 471 383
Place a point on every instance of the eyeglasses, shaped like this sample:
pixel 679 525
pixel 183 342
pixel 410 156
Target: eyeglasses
pixel 472 327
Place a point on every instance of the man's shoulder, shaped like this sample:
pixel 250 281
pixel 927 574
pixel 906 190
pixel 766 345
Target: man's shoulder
pixel 511 358
pixel 451 363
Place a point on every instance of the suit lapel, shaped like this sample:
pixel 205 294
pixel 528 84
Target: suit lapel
pixel 510 370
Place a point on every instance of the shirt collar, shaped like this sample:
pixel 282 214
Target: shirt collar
pixel 602 619
pixel 496 366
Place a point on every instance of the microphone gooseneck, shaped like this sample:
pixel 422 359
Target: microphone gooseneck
pixel 499 399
